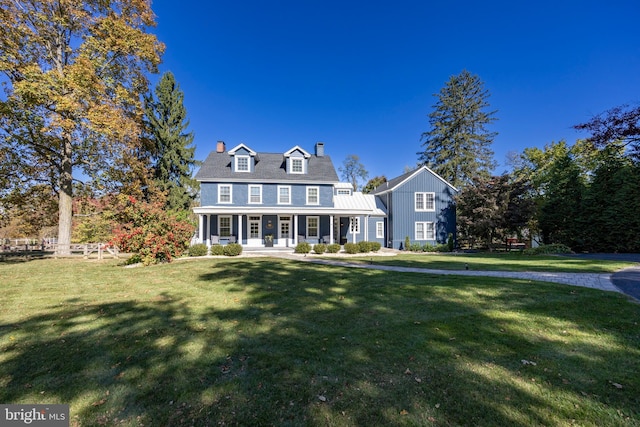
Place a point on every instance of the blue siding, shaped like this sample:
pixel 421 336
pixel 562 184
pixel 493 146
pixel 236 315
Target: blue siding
pixel 240 194
pixel 403 216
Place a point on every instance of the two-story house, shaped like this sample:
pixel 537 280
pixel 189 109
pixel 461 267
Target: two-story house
pixel 264 199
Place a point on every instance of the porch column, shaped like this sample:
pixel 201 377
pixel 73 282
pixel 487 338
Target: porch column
pixel 207 230
pixel 200 230
pixel 366 227
pixel 330 228
pixel 240 228
pixel 295 229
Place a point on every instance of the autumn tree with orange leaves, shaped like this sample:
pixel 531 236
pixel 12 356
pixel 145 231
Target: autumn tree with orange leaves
pixel 73 74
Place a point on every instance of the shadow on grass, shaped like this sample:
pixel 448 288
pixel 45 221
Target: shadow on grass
pixel 296 344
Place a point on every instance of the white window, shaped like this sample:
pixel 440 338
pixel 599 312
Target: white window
pixel 297 165
pixel 425 202
pixel 313 197
pixel 255 193
pixel 242 163
pixel 224 226
pixel 379 230
pixel 425 231
pixel 313 227
pixel 344 192
pixel 284 195
pixel 224 193
pixel 354 225
pixel 254 227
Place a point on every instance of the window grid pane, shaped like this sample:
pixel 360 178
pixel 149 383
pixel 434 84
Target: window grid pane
pixel 283 195
pixel 225 226
pixel 312 227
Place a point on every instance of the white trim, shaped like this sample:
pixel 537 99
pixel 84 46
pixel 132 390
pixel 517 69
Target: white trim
pixel 236 163
pixel 220 217
pixel 424 194
pixel 278 189
pixel 220 186
pixel 302 164
pixel 410 176
pixel 426 225
pixel 297 148
pixel 259 187
pixel 239 146
pixel 317 195
pixel 354 225
pixel 308 234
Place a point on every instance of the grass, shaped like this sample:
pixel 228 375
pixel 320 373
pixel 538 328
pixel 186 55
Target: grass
pixel 275 342
pixel 497 261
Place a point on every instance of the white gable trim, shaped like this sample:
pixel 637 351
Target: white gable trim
pixel 239 146
pixel 410 177
pixel 297 148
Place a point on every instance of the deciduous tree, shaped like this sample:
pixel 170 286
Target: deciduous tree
pixel 373 183
pixel 458 145
pixel 73 75
pixel 353 171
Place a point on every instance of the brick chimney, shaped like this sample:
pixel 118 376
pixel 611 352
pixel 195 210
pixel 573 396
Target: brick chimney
pixel 319 149
pixel 221 147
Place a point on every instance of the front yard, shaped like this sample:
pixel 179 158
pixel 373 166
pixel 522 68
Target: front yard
pixel 274 342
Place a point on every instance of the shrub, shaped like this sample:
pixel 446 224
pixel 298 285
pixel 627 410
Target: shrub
pixel 199 249
pixel 232 249
pixel 364 247
pixel 414 247
pixel 442 247
pixel 548 250
pixel 333 248
pixel 217 250
pixel 375 246
pixel 450 243
pixel 428 247
pixel 351 248
pixel 149 230
pixel 407 243
pixel 302 248
pixel 320 248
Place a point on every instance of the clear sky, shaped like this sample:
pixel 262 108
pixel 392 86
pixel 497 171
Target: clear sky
pixel 361 75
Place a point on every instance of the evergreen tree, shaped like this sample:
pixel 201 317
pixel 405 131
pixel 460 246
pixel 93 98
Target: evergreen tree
pixel 172 153
pixel 458 146
pixel 561 210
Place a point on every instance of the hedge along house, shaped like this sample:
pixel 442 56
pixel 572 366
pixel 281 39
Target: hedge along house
pixel 280 199
pixel 420 205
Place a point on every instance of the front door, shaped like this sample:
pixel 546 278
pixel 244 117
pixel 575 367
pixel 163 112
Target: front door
pixel 284 228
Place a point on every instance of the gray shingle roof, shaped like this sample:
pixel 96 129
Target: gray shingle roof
pixel 270 167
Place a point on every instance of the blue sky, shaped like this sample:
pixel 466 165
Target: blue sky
pixel 360 75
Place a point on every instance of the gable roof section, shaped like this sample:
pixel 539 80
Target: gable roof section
pixel 297 148
pixel 270 168
pixel 400 180
pixel 239 146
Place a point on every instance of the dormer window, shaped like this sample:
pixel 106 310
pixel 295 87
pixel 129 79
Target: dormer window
pixel 297 165
pixel 296 159
pixel 243 158
pixel 242 163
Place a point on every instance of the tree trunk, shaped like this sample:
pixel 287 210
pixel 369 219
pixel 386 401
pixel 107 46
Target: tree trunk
pixel 65 203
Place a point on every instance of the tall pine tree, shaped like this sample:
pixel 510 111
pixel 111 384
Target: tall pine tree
pixel 458 146
pixel 172 153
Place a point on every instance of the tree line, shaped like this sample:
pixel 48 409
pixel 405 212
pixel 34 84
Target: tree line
pixel 585 196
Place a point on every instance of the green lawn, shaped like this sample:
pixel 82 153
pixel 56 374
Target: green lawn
pixel 274 342
pixel 513 261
